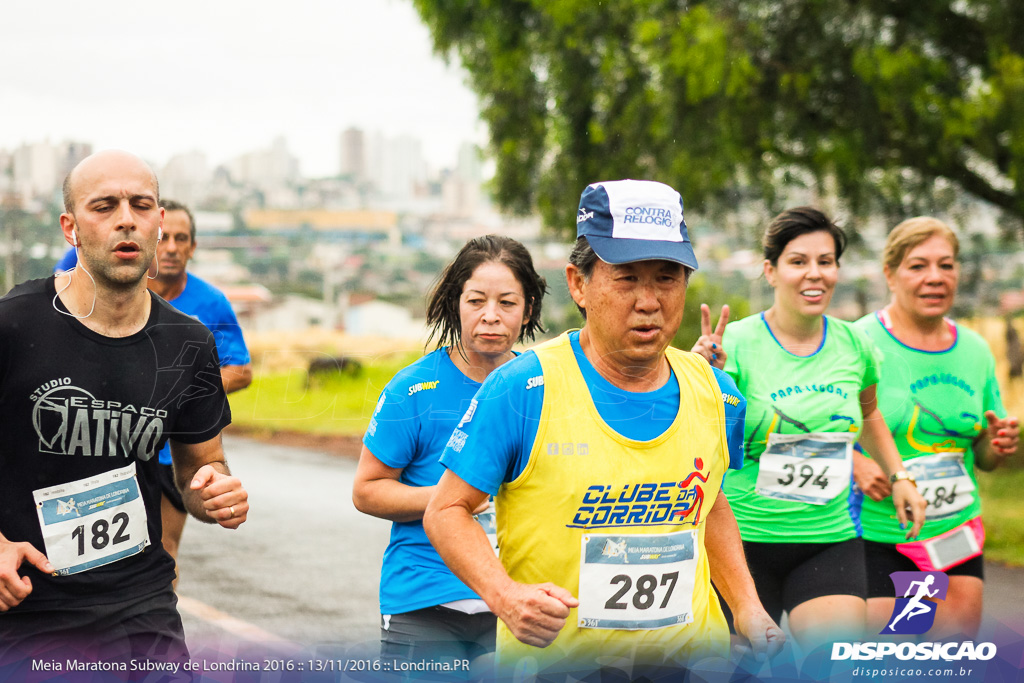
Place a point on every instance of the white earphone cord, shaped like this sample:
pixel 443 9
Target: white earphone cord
pixel 70 272
pixel 159 236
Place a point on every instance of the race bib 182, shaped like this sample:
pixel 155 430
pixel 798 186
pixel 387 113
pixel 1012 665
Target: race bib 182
pixel 93 521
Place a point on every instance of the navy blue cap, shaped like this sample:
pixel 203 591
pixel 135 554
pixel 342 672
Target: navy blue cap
pixel 634 220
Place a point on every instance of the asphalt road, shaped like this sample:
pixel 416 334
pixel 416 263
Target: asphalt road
pixel 302 573
pixel 303 568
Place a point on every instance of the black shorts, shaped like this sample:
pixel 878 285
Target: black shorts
pixel 789 574
pixel 147 629
pixel 437 634
pixel 169 488
pixel 883 559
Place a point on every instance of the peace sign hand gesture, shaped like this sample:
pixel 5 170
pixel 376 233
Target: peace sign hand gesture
pixel 709 344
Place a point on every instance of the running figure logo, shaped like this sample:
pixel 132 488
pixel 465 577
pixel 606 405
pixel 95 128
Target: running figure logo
pixel 616 549
pixel 695 495
pixel 66 507
pixel 913 614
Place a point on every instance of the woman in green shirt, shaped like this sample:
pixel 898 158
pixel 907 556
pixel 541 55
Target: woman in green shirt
pixel 941 401
pixel 809 381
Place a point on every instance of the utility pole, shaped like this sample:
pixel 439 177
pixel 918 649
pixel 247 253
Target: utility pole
pixel 9 266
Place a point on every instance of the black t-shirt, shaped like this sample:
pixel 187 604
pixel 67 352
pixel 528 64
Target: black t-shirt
pixel 75 404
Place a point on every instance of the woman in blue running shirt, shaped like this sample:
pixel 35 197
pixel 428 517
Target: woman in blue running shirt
pixel 487 299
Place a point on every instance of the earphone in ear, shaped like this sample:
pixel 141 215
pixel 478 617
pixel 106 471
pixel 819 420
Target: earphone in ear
pixel 74 239
pixel 159 233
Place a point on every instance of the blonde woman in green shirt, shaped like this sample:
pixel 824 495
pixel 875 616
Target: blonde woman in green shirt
pixel 941 401
pixel 809 381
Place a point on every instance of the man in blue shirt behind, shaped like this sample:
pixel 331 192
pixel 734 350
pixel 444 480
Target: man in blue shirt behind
pixel 191 295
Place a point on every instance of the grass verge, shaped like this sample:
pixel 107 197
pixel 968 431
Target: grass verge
pixel 334 404
pixel 1004 525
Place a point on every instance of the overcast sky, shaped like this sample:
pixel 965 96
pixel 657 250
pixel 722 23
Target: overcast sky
pixel 227 76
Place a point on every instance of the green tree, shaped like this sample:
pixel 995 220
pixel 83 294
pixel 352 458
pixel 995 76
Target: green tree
pixel 703 291
pixel 884 102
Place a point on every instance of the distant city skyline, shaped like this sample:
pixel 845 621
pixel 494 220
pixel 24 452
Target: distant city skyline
pixel 226 78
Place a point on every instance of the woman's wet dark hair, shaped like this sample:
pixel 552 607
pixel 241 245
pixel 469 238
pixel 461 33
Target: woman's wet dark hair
pixel 792 223
pixel 443 305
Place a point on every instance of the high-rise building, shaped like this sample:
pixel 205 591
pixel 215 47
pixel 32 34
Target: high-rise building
pixel 186 178
pixel 470 165
pixel 69 154
pixel 395 166
pixel 461 190
pixel 38 168
pixel 353 155
pixel 6 173
pixel 267 169
pixel 35 169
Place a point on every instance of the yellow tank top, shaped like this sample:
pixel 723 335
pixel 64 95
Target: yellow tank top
pixel 619 523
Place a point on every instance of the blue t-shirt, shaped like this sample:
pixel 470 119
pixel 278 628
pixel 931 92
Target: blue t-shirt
pixel 497 442
pixel 415 415
pixel 68 261
pixel 208 305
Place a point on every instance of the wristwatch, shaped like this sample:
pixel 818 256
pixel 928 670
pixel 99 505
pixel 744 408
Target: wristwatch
pixel 902 475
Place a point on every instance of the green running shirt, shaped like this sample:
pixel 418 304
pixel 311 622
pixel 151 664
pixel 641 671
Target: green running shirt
pixel 933 402
pixel 791 395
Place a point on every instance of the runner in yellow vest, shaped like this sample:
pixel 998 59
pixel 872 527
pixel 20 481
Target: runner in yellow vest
pixel 606 451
